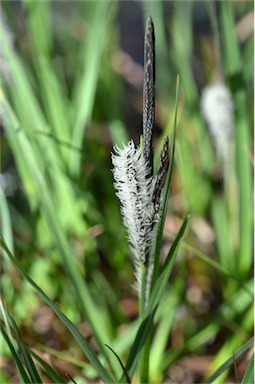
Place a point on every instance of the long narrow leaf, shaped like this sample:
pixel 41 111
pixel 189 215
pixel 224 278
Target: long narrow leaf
pixel 5 221
pixel 249 373
pixel 24 351
pixel 120 362
pixel 25 151
pixel 230 361
pixel 138 344
pixel 234 72
pixel 22 372
pixel 48 369
pixel 77 335
pixel 86 85
pixel 161 282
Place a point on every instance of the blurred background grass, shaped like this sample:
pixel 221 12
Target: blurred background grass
pixel 72 75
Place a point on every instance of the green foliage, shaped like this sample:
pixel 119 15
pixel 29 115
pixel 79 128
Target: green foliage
pixel 66 272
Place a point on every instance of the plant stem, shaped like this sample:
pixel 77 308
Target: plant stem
pixel 144 359
pixel 142 292
pixel 144 362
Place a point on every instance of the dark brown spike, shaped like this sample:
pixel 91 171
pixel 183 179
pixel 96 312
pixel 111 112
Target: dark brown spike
pixel 161 174
pixel 149 93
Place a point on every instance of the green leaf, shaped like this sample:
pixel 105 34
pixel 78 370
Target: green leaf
pixel 24 351
pixel 48 369
pixel 248 377
pixel 22 372
pixel 122 366
pixel 86 84
pixel 162 280
pixel 31 170
pixel 39 24
pixel 71 327
pixel 234 73
pixel 231 360
pixel 138 344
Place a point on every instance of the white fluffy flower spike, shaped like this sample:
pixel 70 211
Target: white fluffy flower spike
pixel 217 109
pixel 134 189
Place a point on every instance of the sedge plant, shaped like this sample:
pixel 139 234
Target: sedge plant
pixel 140 192
pixel 46 141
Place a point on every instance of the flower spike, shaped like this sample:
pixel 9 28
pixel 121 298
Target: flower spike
pixel 139 193
pixel 134 190
pixel 161 175
pixel 149 94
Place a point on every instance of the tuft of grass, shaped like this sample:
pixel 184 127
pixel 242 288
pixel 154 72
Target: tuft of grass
pixel 63 106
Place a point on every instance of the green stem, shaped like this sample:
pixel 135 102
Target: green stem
pixel 142 292
pixel 144 359
pixel 144 362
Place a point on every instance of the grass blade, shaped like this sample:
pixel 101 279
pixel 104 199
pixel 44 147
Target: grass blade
pixel 5 221
pixel 249 373
pixel 122 366
pixel 48 369
pixel 230 361
pixel 138 344
pixel 86 85
pixel 31 167
pixel 77 335
pixel 221 226
pixel 233 69
pixel 31 368
pixel 21 370
pixel 39 26
pixel 162 280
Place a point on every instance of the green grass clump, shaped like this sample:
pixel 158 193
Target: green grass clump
pixel 68 94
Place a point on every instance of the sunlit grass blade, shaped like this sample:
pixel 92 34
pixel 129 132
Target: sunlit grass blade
pixel 57 108
pixel 234 73
pixel 164 326
pixel 5 220
pixel 77 335
pixel 25 353
pixel 84 94
pixel 230 361
pixel 39 16
pixel 7 231
pixel 221 224
pixel 196 188
pixel 23 147
pixel 23 375
pixel 39 26
pixel 44 151
pixel 182 40
pixel 24 150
